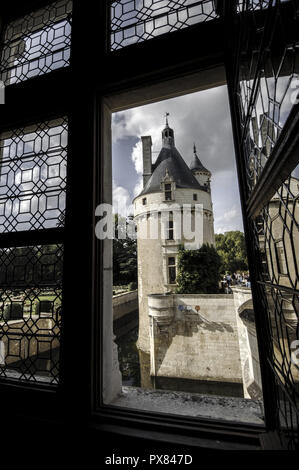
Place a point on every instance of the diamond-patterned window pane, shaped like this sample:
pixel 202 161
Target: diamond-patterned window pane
pixel 268 72
pixel 30 312
pixel 268 86
pixel 277 246
pixel 252 5
pixel 33 176
pixel 37 43
pixel 135 21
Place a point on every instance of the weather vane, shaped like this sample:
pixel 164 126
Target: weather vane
pixel 166 117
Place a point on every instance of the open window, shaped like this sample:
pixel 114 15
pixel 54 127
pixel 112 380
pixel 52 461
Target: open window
pixel 56 321
pixel 182 331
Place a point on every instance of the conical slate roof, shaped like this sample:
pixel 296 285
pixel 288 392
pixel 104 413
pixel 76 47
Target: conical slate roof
pixel 196 164
pixel 171 163
pixel 170 159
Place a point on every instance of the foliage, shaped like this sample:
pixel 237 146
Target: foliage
pixel 13 311
pixel 31 266
pixel 43 306
pixel 232 250
pixel 124 258
pixel 133 285
pixel 198 271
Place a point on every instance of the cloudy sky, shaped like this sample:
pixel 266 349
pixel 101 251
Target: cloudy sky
pixel 202 118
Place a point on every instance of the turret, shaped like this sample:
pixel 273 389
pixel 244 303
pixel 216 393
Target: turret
pixel 168 184
pixel 202 175
pixel 167 135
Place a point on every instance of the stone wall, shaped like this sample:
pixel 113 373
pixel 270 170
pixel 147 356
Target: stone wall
pixel 18 342
pixel 250 363
pixel 125 303
pixel 152 254
pixel 125 312
pixel 195 337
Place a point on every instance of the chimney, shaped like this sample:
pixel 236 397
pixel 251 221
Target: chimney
pixel 147 158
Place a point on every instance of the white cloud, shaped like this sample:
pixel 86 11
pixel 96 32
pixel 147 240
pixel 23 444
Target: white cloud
pixel 137 157
pixel 121 200
pixel 203 118
pixel 138 187
pixel 229 220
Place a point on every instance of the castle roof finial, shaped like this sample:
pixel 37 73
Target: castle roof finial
pixel 167 134
pixel 194 148
pixel 166 117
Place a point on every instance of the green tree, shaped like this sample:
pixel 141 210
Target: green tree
pixel 124 257
pixel 232 250
pixel 31 266
pixel 198 271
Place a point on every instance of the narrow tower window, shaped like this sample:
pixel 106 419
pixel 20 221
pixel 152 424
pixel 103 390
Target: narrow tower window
pixel 170 230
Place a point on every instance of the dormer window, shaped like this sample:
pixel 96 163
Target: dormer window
pixel 168 186
pixel 194 197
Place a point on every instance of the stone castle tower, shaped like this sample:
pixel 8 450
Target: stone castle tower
pixel 168 183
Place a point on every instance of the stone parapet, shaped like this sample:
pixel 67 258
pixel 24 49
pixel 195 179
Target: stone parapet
pixel 125 303
pixel 161 308
pixel 195 337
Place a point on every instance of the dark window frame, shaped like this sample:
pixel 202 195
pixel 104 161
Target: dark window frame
pixel 282 267
pixel 170 266
pixel 59 100
pixel 168 195
pixel 170 230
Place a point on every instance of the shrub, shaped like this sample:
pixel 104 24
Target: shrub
pixel 133 285
pixel 43 306
pixel 198 270
pixel 13 311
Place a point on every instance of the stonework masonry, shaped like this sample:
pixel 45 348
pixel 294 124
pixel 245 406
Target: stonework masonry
pixel 249 355
pixel 195 337
pixel 167 182
pixel 207 338
pixel 210 338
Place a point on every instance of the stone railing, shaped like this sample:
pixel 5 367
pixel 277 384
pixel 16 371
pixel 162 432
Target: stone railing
pixel 24 338
pixel 249 354
pixel 124 304
pixel 195 337
pixel 161 308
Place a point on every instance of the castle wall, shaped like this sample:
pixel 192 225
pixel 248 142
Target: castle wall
pixel 181 196
pixel 250 363
pixel 202 177
pixel 195 343
pixel 150 279
pixel 124 303
pixel 152 254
